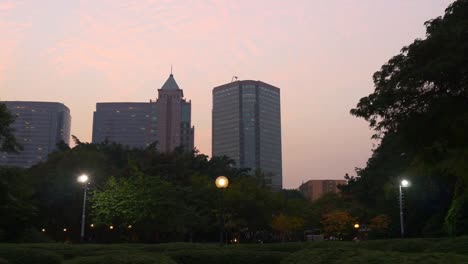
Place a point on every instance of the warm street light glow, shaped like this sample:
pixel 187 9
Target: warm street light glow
pixel 91 225
pixel 129 226
pixel 222 182
pixel 111 227
pixel 43 230
pixel 64 230
pixel 83 178
pixel 405 183
pixel 356 226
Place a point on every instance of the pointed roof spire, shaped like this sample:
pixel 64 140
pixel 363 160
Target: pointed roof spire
pixel 170 84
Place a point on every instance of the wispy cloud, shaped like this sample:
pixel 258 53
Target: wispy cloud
pixel 11 32
pixel 121 49
pixel 7 5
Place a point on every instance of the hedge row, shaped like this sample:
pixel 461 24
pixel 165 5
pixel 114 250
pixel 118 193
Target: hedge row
pixel 226 256
pixel 363 256
pixel 19 255
pixel 123 259
pixel 440 250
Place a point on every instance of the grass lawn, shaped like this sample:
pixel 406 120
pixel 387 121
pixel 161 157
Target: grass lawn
pixel 407 251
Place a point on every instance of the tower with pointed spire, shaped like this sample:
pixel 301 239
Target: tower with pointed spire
pixel 173 118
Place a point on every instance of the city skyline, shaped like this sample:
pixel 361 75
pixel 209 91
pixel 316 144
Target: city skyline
pixel 125 53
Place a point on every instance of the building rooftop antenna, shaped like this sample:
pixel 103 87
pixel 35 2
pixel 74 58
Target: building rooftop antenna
pixel 234 78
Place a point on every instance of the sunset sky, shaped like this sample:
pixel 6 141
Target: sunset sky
pixel 321 54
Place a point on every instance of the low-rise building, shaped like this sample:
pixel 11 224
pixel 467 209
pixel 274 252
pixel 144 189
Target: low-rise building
pixel 314 189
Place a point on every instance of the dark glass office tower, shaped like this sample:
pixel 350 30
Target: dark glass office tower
pixel 124 123
pixel 247 127
pixel 38 127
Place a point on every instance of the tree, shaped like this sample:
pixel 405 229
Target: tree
pixel 424 73
pixel 17 209
pixel 7 139
pixel 379 225
pixel 338 224
pixel 285 224
pixel 148 203
pixel 419 111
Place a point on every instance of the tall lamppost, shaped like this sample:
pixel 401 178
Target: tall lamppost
pixel 403 184
pixel 222 183
pixel 83 179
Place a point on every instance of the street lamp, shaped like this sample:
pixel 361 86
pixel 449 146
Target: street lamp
pixel 222 183
pixel 403 184
pixel 83 179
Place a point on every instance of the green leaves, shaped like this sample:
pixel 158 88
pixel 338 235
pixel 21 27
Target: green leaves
pixel 419 110
pixel 7 139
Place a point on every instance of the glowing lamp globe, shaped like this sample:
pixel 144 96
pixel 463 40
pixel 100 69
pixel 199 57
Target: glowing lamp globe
pixel 405 183
pixel 83 178
pixel 222 182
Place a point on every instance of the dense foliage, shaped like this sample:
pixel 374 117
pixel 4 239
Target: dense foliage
pixel 7 138
pixel 142 195
pixel 419 110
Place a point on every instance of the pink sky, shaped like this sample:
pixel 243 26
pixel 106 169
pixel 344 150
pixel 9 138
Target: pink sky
pixel 322 55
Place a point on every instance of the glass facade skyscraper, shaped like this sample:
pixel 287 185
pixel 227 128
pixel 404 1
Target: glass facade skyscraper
pixel 38 127
pixel 247 127
pixel 124 123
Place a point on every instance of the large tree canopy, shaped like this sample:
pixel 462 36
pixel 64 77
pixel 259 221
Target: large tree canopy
pixel 424 73
pixel 419 110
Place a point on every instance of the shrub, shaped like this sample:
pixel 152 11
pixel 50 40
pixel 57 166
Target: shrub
pixel 32 235
pixel 277 247
pixel 361 256
pixel 457 245
pixel 2 235
pixel 318 256
pixel 400 245
pixel 18 255
pixel 3 261
pixel 123 259
pixel 226 256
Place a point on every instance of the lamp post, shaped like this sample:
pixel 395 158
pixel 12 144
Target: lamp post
pixel 222 183
pixel 83 179
pixel 403 184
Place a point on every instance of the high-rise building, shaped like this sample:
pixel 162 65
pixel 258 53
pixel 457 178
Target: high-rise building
pixel 173 118
pixel 166 121
pixel 124 123
pixel 247 127
pixel 38 127
pixel 314 189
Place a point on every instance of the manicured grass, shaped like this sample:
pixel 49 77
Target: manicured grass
pixel 123 258
pixel 20 255
pixel 401 251
pixel 363 256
